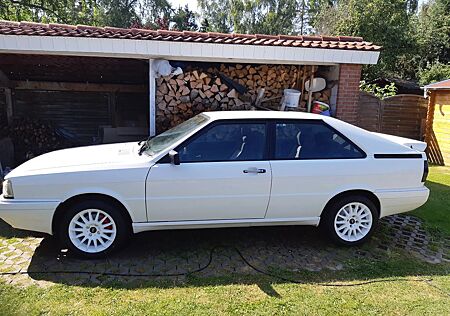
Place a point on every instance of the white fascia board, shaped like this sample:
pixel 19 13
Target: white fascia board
pixel 142 49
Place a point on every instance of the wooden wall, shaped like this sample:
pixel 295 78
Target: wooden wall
pixel 400 115
pixel 438 129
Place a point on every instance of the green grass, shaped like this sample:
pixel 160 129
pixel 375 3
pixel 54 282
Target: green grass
pixel 250 295
pixel 396 292
pixel 436 212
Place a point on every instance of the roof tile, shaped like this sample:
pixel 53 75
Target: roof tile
pixel 54 29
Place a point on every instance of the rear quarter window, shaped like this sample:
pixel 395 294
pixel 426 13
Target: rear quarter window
pixel 312 140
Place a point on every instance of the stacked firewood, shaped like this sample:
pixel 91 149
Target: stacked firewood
pixel 197 90
pixel 32 138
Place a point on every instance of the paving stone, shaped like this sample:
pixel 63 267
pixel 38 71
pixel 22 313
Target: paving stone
pixel 287 248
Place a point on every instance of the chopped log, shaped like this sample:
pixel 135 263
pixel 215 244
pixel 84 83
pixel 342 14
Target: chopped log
pixel 185 90
pixel 193 94
pixel 214 89
pixel 209 94
pixel 232 94
pixel 185 99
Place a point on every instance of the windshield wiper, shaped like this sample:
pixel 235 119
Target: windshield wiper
pixel 144 146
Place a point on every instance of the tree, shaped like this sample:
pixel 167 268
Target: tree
pixel 433 37
pixel 218 14
pixel 46 11
pixel 184 19
pixel 250 16
pixel 118 13
pixel 384 22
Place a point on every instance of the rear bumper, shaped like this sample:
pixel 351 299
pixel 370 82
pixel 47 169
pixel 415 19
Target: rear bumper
pixel 28 215
pixel 399 201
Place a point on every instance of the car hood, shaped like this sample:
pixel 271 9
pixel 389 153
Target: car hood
pixel 83 158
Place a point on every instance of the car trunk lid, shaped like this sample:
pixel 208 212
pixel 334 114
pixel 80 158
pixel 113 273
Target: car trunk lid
pixel 408 142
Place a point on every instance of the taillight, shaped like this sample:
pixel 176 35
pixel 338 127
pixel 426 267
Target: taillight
pixel 425 171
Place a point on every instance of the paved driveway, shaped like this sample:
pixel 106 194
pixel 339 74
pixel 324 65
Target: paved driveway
pixel 215 252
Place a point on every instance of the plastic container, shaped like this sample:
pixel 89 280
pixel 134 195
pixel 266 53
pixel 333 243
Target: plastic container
pixel 320 108
pixel 291 98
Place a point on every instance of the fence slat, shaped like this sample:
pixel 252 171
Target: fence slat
pixel 401 115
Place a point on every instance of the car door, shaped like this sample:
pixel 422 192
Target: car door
pixel 311 161
pixel 223 174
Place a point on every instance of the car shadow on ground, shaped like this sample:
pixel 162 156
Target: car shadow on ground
pixel 226 256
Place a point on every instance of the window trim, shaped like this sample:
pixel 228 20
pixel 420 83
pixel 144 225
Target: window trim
pixel 273 140
pixel 206 128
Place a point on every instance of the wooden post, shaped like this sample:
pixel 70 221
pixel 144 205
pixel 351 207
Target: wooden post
pixel 112 108
pixel 152 98
pixel 9 105
pixel 430 116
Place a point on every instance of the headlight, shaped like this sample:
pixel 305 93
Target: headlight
pixel 7 190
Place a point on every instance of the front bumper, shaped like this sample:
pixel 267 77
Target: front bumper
pixel 35 215
pixel 399 201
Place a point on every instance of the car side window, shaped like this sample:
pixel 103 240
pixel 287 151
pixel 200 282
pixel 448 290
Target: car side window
pixel 312 140
pixel 227 142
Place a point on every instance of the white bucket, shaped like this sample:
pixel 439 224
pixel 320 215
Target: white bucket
pixel 291 98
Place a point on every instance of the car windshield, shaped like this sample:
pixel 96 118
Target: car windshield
pixel 164 140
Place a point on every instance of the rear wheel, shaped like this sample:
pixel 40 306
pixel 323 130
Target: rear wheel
pixel 350 220
pixel 94 229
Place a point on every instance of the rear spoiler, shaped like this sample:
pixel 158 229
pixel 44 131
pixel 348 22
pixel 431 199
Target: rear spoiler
pixel 408 142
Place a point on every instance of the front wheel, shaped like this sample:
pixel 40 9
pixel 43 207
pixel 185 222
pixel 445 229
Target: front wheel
pixel 350 220
pixel 93 229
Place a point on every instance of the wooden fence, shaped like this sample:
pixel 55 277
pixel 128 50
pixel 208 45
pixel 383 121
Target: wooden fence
pixel 401 115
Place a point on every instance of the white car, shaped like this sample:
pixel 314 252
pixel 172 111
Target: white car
pixel 220 169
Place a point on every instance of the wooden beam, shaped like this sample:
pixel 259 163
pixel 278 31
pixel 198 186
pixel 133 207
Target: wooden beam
pixel 80 87
pixel 152 97
pixel 9 105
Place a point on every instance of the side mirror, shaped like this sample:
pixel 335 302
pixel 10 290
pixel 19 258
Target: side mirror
pixel 174 157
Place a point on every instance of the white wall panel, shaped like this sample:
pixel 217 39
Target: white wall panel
pixel 181 50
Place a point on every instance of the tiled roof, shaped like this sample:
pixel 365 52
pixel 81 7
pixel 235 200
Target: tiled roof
pixel 38 29
pixel 438 85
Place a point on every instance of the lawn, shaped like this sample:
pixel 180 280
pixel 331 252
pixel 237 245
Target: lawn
pixel 436 212
pixel 400 285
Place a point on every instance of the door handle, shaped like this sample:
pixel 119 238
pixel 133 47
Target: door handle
pixel 254 170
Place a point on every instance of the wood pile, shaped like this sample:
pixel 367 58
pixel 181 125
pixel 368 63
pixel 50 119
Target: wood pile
pixel 32 138
pixel 198 90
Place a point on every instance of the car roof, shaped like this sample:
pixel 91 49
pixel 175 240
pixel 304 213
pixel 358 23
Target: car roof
pixel 232 115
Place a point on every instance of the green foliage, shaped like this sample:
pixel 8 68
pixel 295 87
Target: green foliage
pixel 388 90
pixel 250 16
pixel 434 73
pixel 384 22
pixel 45 11
pixel 433 37
pixel 218 14
pixel 184 19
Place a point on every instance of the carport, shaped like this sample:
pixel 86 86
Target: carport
pixel 96 85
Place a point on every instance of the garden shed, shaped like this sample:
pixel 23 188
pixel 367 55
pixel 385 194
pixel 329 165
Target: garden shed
pixel 66 84
pixel 438 122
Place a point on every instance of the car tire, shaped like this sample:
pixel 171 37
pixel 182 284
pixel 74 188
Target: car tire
pixel 350 220
pixel 93 229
